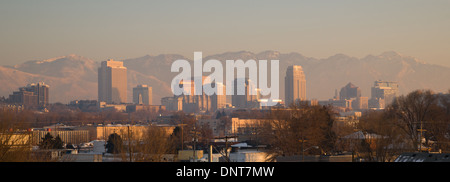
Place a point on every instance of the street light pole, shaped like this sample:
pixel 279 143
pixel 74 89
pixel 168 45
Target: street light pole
pixel 129 143
pixel 303 151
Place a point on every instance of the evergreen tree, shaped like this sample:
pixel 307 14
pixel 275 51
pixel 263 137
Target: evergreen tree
pixel 47 142
pixel 58 143
pixel 219 115
pixel 114 144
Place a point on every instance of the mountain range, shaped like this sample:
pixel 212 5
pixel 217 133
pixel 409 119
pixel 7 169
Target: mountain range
pixel 74 77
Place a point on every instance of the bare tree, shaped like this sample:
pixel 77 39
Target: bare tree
pixel 438 126
pixel 154 147
pixel 383 140
pixel 410 112
pixel 15 140
pixel 291 131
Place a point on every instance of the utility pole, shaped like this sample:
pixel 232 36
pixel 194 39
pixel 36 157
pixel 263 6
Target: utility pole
pixel 421 130
pixel 195 134
pixel 129 143
pixel 303 151
pixel 226 146
pixel 182 139
pixel 210 157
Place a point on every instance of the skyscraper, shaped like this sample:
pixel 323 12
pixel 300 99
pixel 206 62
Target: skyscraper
pixel 194 103
pixel 24 98
pixel 35 94
pixel 246 98
pixel 142 94
pixel 112 82
pixel 383 93
pixel 218 101
pixel 361 103
pixel 295 85
pixel 349 92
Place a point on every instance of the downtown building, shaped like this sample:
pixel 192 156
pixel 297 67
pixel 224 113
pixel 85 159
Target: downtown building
pixel 352 94
pixel 245 94
pixel 295 85
pixel 194 103
pixel 348 98
pixel 32 96
pixel 112 82
pixel 349 91
pixel 142 94
pixel 383 94
pixel 191 103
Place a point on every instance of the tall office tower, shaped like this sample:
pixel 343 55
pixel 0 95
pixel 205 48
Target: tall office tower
pixel 172 103
pixel 41 90
pixel 142 94
pixel 195 103
pixel 383 93
pixel 361 103
pixel 349 92
pixel 112 82
pixel 295 85
pixel 218 101
pixel 247 96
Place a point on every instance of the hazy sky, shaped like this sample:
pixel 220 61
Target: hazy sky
pixel 102 29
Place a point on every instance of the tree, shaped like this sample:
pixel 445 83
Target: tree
pixel 206 134
pixel 58 143
pixel 175 138
pixel 438 127
pixel 404 124
pixel 291 131
pixel 114 144
pixel 15 143
pixel 48 142
pixel 410 112
pixel 385 139
pixel 155 145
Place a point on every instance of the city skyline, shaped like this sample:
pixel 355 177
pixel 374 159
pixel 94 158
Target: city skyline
pixel 326 75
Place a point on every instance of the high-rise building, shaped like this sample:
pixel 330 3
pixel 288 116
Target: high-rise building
pixel 218 101
pixel 35 94
pixel 361 103
pixel 23 97
pixel 349 92
pixel 295 85
pixel 383 93
pixel 142 94
pixel 112 82
pixel 246 98
pixel 41 90
pixel 194 103
pixel 172 103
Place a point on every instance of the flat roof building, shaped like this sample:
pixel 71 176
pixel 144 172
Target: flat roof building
pixel 112 82
pixel 295 85
pixel 142 94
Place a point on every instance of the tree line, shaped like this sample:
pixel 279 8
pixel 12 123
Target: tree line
pixel 416 122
